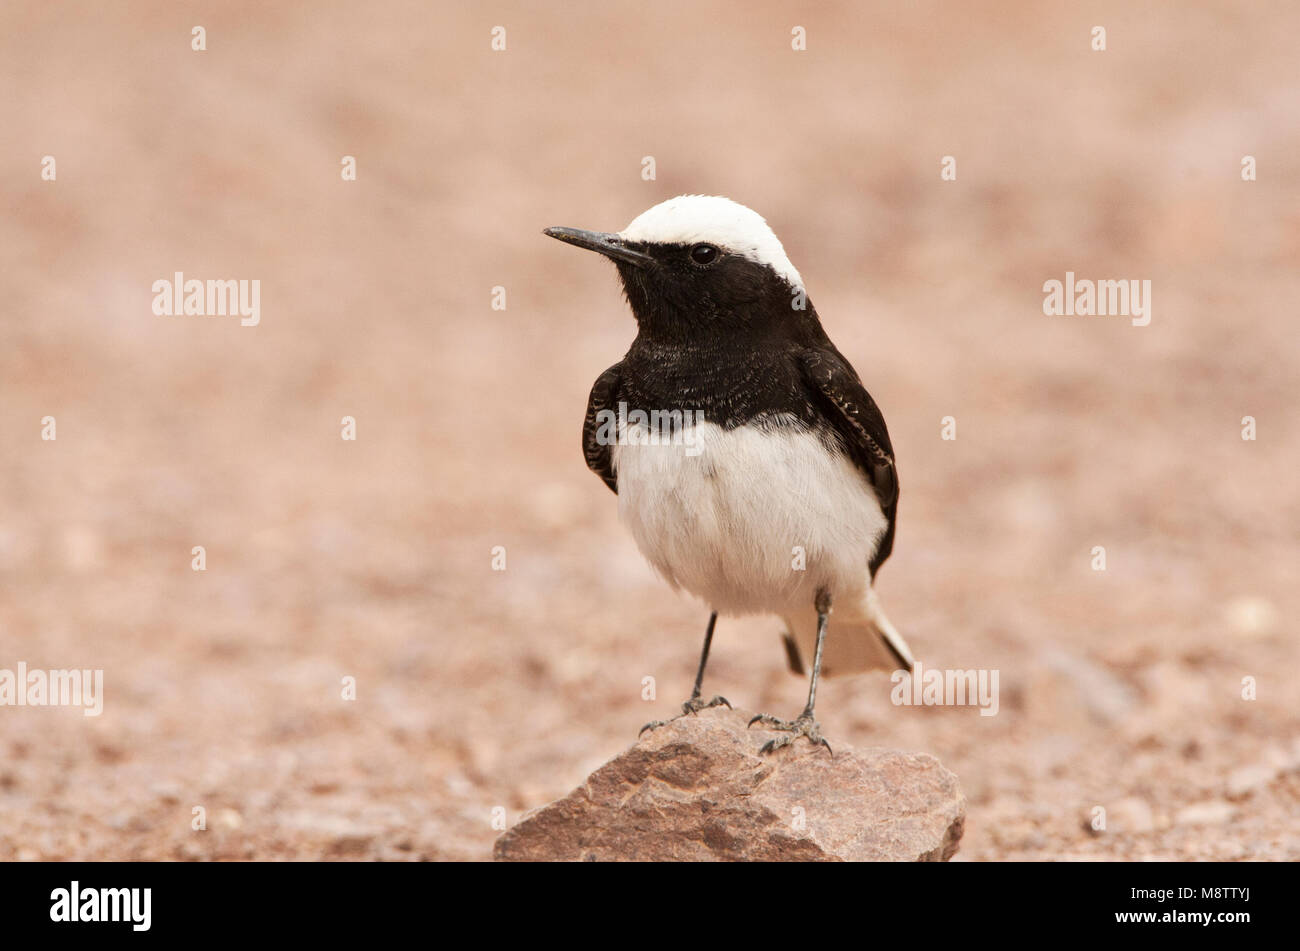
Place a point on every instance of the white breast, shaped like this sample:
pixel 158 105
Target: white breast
pixel 749 519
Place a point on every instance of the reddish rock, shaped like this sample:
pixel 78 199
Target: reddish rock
pixel 698 790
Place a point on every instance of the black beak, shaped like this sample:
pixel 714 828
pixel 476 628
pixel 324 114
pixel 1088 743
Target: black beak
pixel 610 245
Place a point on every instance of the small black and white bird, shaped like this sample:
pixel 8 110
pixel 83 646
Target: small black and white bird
pixel 777 490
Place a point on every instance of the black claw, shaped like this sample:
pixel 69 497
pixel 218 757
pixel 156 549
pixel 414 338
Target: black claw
pixel 802 726
pixel 691 707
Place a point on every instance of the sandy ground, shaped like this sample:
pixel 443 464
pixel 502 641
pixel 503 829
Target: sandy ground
pixel 372 559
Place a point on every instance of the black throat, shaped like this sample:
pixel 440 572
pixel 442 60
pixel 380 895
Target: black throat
pixel 724 342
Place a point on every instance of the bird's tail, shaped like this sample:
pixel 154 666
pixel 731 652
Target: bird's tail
pixel 858 638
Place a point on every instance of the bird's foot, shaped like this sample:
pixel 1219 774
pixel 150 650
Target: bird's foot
pixel 689 708
pixel 803 725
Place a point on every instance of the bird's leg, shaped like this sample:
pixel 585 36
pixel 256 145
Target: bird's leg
pixel 695 704
pixel 804 724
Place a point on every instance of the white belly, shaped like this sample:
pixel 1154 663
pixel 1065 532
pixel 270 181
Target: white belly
pixel 749 520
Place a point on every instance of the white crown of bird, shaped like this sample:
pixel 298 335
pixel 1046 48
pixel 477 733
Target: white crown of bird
pixel 712 219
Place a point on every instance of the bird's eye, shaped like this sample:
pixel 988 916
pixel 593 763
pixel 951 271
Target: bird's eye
pixel 704 254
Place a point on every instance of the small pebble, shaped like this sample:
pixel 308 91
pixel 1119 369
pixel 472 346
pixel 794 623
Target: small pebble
pixel 1211 812
pixel 1130 815
pixel 1247 780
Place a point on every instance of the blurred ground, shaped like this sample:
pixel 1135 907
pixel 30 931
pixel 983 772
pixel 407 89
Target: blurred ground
pixel 372 559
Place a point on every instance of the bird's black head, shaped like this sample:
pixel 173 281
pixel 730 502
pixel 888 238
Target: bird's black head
pixel 697 267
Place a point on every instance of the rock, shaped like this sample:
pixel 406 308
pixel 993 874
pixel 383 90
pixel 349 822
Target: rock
pixel 1107 699
pixel 351 845
pixel 698 790
pixel 1211 812
pixel 1247 780
pixel 168 792
pixel 1283 760
pixel 1252 617
pixel 1131 815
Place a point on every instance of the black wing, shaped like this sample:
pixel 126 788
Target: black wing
pixel 604 396
pixel 861 427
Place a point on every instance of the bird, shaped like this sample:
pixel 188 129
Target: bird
pixel 752 467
